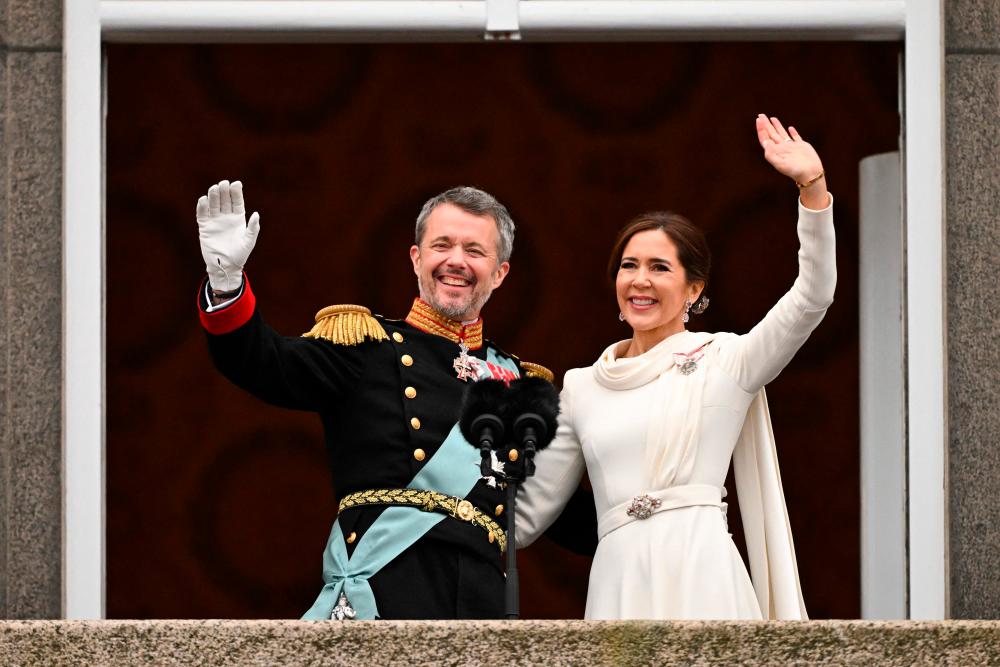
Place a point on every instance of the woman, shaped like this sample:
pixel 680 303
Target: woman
pixel 657 419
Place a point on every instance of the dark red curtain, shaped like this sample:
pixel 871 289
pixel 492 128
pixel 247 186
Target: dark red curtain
pixel 219 506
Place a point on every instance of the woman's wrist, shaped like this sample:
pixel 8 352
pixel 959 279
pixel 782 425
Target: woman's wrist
pixel 806 182
pixel 815 196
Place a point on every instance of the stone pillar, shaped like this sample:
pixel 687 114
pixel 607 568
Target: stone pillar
pixel 30 308
pixel 972 112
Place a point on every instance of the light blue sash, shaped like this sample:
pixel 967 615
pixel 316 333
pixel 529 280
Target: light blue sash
pixel 453 470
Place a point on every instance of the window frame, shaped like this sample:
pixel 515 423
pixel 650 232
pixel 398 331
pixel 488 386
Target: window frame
pixel 922 333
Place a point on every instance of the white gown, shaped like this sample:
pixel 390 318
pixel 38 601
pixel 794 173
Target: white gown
pixel 681 562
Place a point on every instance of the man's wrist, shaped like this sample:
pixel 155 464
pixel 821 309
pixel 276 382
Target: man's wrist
pixel 223 296
pixel 218 297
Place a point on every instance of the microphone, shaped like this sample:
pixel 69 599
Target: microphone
pixel 480 419
pixel 531 410
pixel 527 409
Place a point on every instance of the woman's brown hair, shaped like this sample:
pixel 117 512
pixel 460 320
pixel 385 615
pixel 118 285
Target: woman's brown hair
pixel 692 248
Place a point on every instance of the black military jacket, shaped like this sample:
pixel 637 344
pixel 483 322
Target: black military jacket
pixel 386 406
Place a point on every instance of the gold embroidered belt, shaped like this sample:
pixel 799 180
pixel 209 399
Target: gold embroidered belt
pixel 430 501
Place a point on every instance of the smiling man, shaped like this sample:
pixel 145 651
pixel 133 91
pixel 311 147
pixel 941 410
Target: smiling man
pixel 419 533
pixel 462 251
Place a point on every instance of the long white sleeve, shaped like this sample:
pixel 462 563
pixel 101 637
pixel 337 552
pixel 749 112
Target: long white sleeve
pixel 558 470
pixel 756 358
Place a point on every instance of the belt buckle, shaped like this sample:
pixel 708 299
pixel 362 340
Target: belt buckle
pixel 465 511
pixel 642 507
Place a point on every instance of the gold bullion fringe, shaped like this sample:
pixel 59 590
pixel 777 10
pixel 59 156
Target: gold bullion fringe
pixel 537 371
pixel 346 324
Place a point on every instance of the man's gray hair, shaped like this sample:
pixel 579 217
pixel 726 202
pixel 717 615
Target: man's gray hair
pixel 477 202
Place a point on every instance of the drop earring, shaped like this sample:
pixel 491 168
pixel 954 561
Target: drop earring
pixel 621 317
pixel 687 309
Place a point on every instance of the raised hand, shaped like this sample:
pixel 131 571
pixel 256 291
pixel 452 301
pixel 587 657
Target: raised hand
pixel 794 157
pixel 226 236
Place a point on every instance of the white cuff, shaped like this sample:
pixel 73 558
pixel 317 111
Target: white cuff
pixel 208 299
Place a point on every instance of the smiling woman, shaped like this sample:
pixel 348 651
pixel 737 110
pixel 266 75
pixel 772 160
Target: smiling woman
pixel 660 265
pixel 658 418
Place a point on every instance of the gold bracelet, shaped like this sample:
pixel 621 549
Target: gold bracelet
pixel 810 181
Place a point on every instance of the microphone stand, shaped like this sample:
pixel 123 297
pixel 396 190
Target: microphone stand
pixel 527 429
pixel 512 592
pixel 491 431
pixel 512 586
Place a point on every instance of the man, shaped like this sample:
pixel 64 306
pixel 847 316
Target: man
pixel 419 532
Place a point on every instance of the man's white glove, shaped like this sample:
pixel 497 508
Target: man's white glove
pixel 226 237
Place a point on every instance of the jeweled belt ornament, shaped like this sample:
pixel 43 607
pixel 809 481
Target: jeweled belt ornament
pixel 642 507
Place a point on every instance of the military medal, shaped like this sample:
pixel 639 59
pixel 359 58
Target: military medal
pixel 687 362
pixel 464 366
pixel 343 611
pixel 688 367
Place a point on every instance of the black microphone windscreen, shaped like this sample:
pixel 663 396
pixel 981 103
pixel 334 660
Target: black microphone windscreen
pixel 532 394
pixel 480 398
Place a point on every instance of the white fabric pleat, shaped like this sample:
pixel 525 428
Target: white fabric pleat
pixel 673 430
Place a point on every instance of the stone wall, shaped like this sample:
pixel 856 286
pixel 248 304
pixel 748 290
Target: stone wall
pixel 245 643
pixel 30 307
pixel 972 111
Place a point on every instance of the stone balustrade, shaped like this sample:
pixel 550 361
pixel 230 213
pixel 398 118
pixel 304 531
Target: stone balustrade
pixel 247 643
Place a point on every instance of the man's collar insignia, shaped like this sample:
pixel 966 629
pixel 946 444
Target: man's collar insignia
pixel 428 320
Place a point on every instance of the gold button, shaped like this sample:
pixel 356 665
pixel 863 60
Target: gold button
pixel 350 538
pixel 415 423
pixel 398 337
pixel 419 454
pixel 407 360
pixel 491 538
pixel 410 392
pixel 499 510
pixel 512 455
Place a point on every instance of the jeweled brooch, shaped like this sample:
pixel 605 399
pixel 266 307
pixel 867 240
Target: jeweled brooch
pixel 687 362
pixel 642 507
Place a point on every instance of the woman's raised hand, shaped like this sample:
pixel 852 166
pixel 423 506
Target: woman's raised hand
pixel 794 157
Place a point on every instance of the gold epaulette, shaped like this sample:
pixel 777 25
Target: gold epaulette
pixel 537 371
pixel 346 325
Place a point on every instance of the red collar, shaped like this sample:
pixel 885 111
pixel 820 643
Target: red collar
pixel 425 318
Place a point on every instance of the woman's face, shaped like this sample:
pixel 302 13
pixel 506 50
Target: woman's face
pixel 652 284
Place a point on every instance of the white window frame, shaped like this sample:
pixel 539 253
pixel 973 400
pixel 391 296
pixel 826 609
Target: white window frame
pixel 918 23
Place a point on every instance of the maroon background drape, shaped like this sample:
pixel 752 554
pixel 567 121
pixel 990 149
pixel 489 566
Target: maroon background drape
pixel 218 505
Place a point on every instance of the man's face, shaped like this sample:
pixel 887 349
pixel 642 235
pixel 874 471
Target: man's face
pixel 456 262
